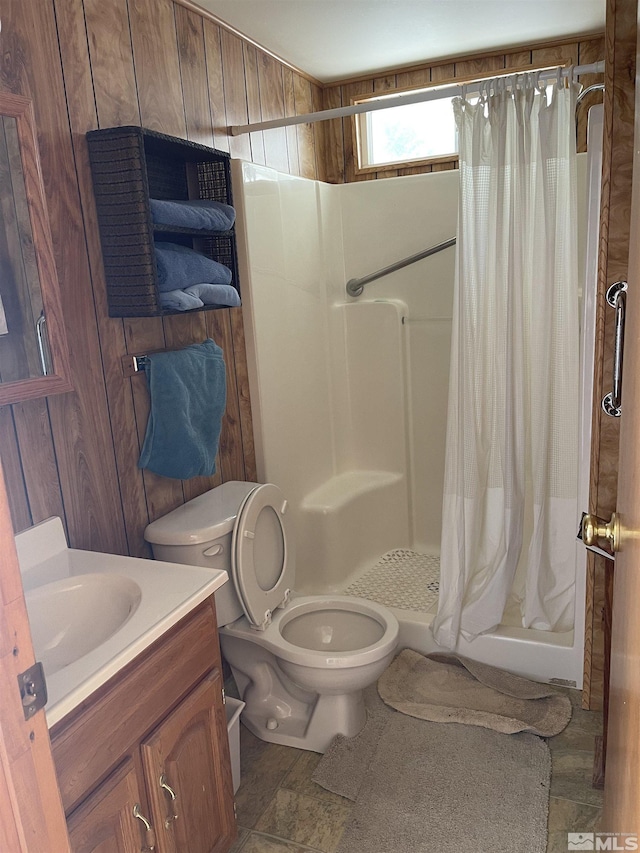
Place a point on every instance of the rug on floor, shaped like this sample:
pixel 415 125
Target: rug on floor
pixel 344 765
pixel 426 787
pixel 403 579
pixel 448 688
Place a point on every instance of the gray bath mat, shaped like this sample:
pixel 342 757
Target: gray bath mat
pixel 451 788
pixel 423 787
pixel 452 689
pixel 344 765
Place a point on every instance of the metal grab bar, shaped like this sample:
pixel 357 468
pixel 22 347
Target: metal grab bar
pixel 617 298
pixel 355 286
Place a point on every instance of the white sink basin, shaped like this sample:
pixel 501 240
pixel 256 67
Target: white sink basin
pixel 92 613
pixel 73 616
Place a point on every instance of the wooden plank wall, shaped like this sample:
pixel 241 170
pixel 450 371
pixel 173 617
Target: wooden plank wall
pixel 161 64
pixel 339 138
pixel 102 63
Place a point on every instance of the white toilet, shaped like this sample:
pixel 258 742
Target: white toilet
pixel 300 662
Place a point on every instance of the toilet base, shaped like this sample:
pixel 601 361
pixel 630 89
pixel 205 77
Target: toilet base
pixel 279 711
pixel 331 715
pixel 300 696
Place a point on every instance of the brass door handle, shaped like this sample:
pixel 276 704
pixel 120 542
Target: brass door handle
pixel 595 530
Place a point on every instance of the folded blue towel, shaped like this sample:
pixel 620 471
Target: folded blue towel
pixel 180 300
pixel 188 397
pixel 197 214
pixel 180 267
pixel 214 294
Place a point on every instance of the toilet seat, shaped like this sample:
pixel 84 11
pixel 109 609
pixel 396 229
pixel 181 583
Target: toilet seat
pixel 262 563
pixel 273 639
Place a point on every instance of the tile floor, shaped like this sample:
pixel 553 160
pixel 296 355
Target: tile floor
pixel 280 810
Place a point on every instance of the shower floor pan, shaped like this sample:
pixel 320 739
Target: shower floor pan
pixel 403 579
pixel 407 582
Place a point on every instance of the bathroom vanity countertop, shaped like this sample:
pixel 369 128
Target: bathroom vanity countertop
pixel 168 592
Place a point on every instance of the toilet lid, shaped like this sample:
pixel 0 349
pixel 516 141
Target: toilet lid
pixel 261 561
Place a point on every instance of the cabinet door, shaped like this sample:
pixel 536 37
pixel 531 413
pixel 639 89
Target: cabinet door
pixel 106 821
pixel 188 774
pixel 34 360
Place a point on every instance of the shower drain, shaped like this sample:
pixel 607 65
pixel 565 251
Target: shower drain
pixel 403 579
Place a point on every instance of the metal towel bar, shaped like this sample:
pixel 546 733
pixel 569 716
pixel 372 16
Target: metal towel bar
pixel 133 365
pixel 355 286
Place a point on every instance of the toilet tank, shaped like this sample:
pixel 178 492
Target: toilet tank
pixel 198 533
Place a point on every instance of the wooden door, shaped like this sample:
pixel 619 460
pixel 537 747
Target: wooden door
pixel 622 780
pixel 106 821
pixel 188 774
pixel 31 813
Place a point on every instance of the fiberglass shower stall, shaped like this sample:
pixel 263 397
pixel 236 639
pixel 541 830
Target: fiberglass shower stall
pixel 349 396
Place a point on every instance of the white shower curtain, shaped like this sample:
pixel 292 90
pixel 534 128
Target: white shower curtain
pixel 512 429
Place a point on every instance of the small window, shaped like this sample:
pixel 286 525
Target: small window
pixel 413 133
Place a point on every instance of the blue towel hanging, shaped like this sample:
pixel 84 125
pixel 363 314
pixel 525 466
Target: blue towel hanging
pixel 188 397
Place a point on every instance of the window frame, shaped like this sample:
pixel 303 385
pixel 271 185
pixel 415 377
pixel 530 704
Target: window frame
pixel 359 142
pixel 359 169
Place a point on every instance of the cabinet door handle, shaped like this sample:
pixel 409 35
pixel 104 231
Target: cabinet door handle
pixel 43 345
pixel 172 796
pixel 148 848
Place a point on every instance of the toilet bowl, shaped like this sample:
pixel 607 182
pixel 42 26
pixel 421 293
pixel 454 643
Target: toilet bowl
pixel 300 662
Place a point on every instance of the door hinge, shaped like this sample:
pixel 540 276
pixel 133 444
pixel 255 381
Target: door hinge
pixel 33 689
pixel 224 697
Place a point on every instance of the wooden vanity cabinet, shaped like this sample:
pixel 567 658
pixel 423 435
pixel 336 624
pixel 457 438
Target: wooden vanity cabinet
pixel 144 764
pixel 106 820
pixel 185 772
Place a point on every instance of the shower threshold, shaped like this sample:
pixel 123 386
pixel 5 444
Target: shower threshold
pixel 407 582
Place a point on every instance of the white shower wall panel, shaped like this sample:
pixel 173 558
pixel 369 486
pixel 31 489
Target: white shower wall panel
pixel 327 378
pixel 429 345
pixel 287 328
pixel 373 336
pixel 363 510
pixel 384 222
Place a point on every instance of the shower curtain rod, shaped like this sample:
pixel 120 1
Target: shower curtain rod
pixel 433 94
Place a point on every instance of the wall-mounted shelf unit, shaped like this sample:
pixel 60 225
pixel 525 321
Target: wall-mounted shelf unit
pixel 129 165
